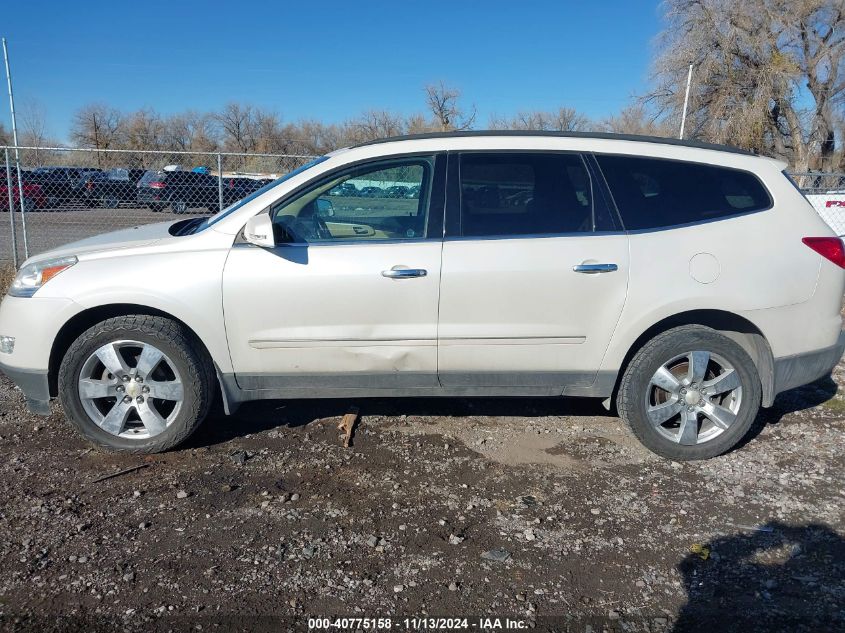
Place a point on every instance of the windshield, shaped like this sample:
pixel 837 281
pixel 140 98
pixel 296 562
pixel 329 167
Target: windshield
pixel 237 205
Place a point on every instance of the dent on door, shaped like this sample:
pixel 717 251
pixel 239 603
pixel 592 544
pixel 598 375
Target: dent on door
pixel 315 318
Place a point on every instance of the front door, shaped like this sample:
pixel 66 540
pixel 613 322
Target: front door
pixel 534 274
pixel 347 300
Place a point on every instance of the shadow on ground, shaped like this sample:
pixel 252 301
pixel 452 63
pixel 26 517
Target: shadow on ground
pixel 255 417
pixel 769 579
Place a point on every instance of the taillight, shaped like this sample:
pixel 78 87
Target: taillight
pixel 828 247
pixel 157 185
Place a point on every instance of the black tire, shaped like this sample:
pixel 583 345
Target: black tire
pixel 178 206
pixel 634 387
pixel 172 339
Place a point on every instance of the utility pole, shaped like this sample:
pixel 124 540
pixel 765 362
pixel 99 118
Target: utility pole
pixel 17 155
pixel 686 102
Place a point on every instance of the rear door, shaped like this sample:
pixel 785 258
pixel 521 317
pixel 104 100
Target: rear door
pixel 535 272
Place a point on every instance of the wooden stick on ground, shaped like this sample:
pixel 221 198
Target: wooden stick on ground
pixel 347 424
pixel 125 471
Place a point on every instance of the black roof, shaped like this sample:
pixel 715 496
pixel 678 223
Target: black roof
pixel 597 135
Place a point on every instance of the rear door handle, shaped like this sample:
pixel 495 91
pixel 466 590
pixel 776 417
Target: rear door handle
pixel 404 273
pixel 593 269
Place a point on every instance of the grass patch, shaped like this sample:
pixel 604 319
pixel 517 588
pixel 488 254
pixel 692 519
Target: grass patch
pixel 835 405
pixel 7 274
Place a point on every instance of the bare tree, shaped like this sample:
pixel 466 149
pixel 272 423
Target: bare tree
pixel 190 130
pixel 635 119
pixel 375 124
pixel 561 120
pixel 97 126
pixel 34 127
pixel 144 130
pixel 446 111
pixel 237 123
pixel 755 63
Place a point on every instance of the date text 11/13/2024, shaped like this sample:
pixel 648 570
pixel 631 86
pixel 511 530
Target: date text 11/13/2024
pixel 417 624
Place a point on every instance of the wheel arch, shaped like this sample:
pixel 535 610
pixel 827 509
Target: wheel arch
pixel 737 328
pixel 81 321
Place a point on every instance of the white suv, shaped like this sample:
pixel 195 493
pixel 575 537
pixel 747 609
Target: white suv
pixel 688 283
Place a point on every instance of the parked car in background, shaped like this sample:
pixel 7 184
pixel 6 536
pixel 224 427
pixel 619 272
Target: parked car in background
pixel 181 191
pixel 396 191
pixel 59 184
pixel 239 187
pixel 110 189
pixel 347 190
pixel 33 194
pixel 372 192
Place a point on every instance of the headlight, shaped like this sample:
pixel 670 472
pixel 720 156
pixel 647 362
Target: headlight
pixel 32 276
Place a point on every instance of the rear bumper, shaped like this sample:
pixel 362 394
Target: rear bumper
pixel 801 369
pixel 35 386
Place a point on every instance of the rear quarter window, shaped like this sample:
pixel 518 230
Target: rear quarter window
pixel 654 193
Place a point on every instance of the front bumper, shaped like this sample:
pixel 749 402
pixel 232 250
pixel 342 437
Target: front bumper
pixel 35 386
pixel 802 369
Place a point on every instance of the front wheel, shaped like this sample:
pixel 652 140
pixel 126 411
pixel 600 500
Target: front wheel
pixel 135 384
pixel 110 202
pixel 690 393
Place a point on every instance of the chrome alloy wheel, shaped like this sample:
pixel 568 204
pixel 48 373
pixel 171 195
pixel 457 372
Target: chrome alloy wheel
pixel 130 389
pixel 693 398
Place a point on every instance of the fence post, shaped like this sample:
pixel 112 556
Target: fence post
pixel 11 209
pixel 220 180
pixel 23 205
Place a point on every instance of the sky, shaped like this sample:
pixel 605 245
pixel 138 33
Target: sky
pixel 327 59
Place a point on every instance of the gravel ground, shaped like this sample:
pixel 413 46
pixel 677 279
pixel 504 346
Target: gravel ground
pixel 546 512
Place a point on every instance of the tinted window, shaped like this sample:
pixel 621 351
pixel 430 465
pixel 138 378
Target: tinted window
pixel 653 193
pixel 525 194
pixel 376 202
pixel 151 176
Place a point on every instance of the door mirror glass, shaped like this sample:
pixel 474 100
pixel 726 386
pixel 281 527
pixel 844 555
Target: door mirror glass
pixel 325 208
pixel 259 231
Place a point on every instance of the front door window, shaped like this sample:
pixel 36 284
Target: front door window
pixel 384 201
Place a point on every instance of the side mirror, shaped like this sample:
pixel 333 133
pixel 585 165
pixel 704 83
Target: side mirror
pixel 325 208
pixel 259 231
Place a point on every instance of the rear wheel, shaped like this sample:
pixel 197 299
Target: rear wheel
pixel 178 206
pixel 690 393
pixel 135 384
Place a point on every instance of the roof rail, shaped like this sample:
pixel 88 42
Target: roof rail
pixel 594 135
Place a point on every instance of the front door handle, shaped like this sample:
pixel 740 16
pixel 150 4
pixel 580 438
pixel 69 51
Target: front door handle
pixel 593 269
pixel 404 273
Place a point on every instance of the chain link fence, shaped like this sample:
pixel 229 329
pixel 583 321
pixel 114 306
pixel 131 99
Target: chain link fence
pixel 826 192
pixel 62 194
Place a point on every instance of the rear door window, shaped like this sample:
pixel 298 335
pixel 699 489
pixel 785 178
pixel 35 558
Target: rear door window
pixel 521 193
pixel 152 176
pixel 655 193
